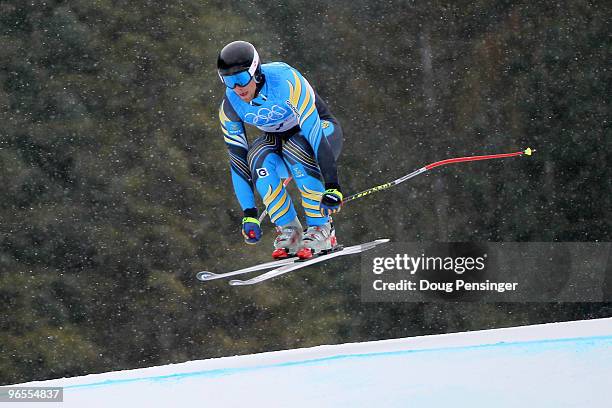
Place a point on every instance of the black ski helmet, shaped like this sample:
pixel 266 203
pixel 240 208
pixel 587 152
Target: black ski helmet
pixel 239 56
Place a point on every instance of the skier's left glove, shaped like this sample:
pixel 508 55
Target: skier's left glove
pixel 331 201
pixel 251 229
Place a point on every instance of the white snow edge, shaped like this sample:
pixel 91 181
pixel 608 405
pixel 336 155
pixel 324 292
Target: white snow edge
pixel 521 334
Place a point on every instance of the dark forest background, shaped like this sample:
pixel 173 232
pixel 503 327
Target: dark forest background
pixel 114 176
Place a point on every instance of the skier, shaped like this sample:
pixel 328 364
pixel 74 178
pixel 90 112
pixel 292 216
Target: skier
pixel 300 137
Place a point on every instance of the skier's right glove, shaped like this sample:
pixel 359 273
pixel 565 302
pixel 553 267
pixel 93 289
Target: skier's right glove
pixel 251 230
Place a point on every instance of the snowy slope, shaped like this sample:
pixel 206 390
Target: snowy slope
pixel 552 365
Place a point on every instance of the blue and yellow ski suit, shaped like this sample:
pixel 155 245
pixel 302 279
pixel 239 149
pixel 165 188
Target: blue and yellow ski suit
pixel 300 137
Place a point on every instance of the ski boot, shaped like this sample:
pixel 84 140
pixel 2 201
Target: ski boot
pixel 317 239
pixel 288 241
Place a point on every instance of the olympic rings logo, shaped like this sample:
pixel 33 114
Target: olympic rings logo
pixel 265 115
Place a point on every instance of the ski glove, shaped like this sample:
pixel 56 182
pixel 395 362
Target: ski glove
pixel 251 230
pixel 331 201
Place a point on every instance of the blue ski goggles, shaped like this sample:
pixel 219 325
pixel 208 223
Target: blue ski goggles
pixel 240 79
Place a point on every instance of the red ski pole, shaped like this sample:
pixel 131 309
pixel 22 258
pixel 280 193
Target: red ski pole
pixel 526 152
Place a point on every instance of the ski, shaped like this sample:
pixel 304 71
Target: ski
pixel 299 264
pixel 206 275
